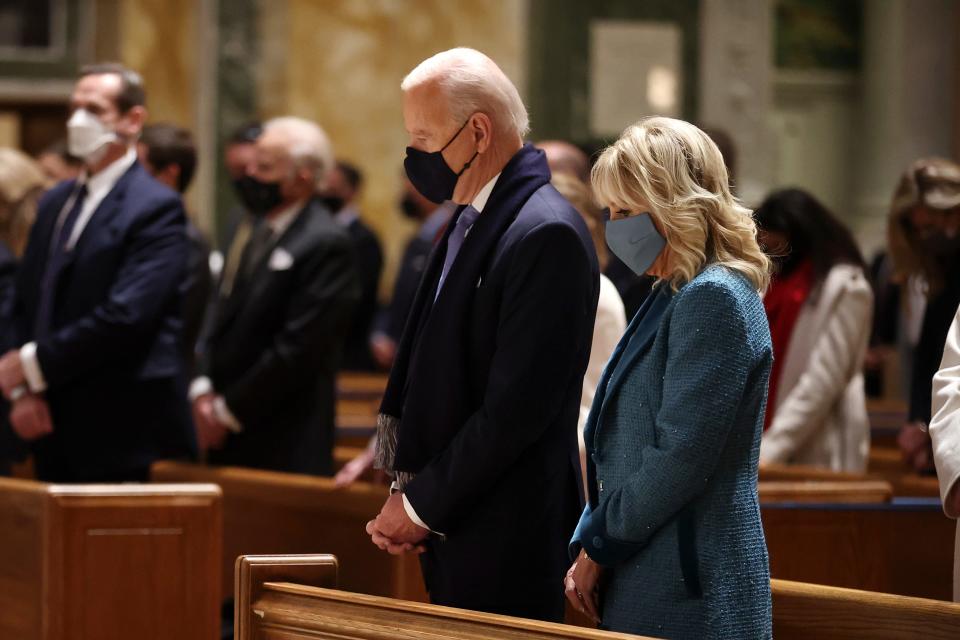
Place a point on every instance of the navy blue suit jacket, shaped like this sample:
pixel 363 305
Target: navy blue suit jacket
pixel 487 387
pixel 112 363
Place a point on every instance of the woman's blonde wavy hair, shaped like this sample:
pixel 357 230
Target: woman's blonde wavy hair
pixel 21 185
pixel 677 171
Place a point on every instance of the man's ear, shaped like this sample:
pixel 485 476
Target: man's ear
pixel 481 128
pixel 131 123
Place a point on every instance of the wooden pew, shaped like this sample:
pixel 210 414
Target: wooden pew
pixel 358 402
pixel 903 548
pixel 359 394
pixel 824 492
pixel 266 512
pixel 109 562
pixel 803 611
pixel 887 468
pixel 886 416
pixel 275 601
pixel 295 597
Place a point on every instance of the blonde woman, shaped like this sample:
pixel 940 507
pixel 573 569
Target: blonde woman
pixel 21 184
pixel 671 544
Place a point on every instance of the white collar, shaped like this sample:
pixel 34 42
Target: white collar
pixel 282 221
pixel 104 180
pixel 480 200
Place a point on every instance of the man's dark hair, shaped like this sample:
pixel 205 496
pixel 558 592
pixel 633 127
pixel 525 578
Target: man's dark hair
pixel 169 144
pixel 131 94
pixel 352 174
pixel 246 133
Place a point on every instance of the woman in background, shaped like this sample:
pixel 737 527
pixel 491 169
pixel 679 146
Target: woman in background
pixel 819 306
pixel 924 231
pixel 21 185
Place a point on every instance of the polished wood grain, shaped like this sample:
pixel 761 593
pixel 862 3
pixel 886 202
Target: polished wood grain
pixel 252 572
pixel 821 492
pixel 291 611
pixel 806 612
pixel 899 549
pixel 887 468
pixel 271 513
pixel 105 562
pixel 292 598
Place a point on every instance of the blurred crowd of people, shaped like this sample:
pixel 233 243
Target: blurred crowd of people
pixel 277 359
pixel 129 336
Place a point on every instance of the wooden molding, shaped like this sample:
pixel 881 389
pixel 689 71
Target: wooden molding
pixel 254 571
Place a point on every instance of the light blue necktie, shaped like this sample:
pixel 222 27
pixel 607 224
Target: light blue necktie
pixel 467 217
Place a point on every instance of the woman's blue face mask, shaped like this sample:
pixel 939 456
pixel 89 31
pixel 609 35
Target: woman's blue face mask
pixel 636 241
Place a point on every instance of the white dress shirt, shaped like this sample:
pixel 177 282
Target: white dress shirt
pixel 203 385
pixel 99 187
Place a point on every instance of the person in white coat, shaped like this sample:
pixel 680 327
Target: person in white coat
pixel 820 307
pixel 945 434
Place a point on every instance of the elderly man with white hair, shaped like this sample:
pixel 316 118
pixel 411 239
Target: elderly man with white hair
pixel 286 294
pixel 479 420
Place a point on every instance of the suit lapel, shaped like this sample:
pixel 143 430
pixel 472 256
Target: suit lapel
pixel 634 343
pixel 101 221
pixel 243 286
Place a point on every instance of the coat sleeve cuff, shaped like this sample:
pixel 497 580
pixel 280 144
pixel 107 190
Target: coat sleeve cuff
pixel 575 541
pixel 412 514
pixel 599 545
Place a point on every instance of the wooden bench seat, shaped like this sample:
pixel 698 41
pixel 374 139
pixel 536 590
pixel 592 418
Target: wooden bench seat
pixel 295 598
pixel 904 548
pixel 266 512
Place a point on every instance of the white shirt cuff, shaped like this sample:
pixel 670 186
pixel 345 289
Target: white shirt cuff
pixel 200 387
pixel 413 515
pixel 31 368
pixel 225 416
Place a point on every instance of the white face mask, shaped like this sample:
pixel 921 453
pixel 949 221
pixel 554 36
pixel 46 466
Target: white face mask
pixel 87 136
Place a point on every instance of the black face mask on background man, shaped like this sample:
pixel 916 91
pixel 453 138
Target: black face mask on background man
pixel 258 197
pixel 430 173
pixel 334 203
pixel 409 208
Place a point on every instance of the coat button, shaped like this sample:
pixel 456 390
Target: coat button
pixel 598 542
pixel 600 486
pixel 595 457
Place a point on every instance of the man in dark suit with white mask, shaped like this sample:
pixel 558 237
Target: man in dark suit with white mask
pixel 96 385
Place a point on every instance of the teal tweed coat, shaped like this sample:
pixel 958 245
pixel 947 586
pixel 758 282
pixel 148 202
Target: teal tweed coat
pixel 673 440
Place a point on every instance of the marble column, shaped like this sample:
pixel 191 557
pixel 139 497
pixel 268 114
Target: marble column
pixel 736 79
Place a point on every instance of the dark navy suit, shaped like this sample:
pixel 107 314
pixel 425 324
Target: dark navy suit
pixel 112 358
pixel 486 389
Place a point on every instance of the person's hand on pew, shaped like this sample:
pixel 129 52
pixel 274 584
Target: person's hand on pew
pixel 582 586
pixel 915 447
pixel 355 468
pixel 30 418
pixel 393 530
pixel 211 432
pixel 11 373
